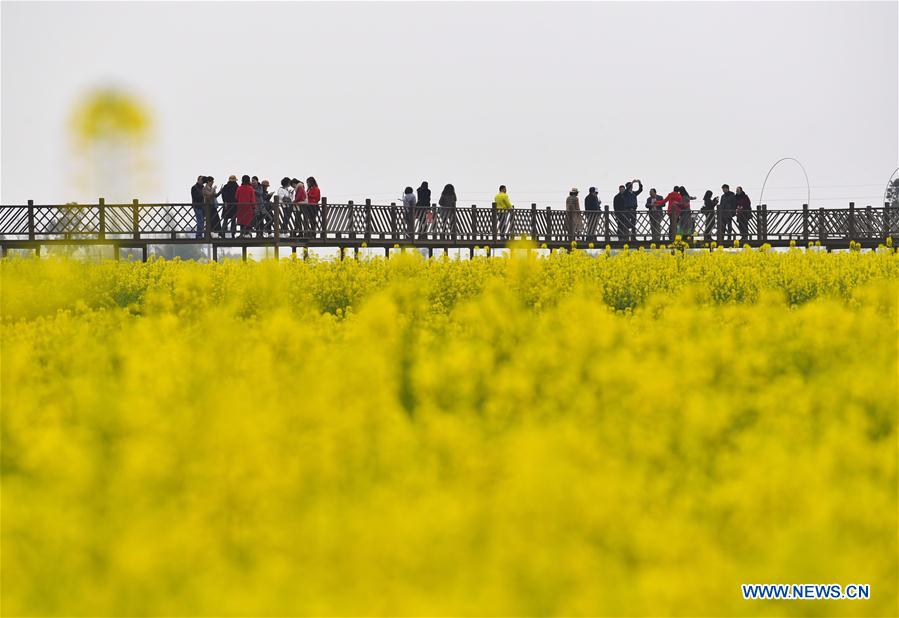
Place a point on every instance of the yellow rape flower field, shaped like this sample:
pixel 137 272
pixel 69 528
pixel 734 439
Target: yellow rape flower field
pixel 635 434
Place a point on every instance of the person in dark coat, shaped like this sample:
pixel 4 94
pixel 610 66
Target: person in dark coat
pixel 196 199
pixel 424 209
pixel 447 204
pixel 229 211
pixel 619 205
pixel 654 206
pixel 708 210
pixel 743 212
pixel 591 208
pixel 631 210
pixel 727 209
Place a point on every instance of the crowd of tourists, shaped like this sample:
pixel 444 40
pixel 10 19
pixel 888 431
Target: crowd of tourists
pixel 252 206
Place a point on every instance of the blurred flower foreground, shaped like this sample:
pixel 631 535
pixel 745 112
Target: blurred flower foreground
pixel 634 434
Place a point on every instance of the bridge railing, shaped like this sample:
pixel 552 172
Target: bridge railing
pixel 354 223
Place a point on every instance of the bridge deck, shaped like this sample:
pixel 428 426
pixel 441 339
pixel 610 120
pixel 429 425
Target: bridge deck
pixel 355 225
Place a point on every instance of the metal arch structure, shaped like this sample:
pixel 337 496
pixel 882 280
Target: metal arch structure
pixel 808 187
pixel 890 186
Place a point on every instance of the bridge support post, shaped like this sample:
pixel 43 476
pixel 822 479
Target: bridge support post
pixel 243 253
pixel 144 253
pixel 115 252
pixel 215 253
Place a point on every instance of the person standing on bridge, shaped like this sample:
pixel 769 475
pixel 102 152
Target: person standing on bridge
pixel 743 212
pixel 424 205
pixel 196 199
pixel 503 208
pixel 673 200
pixel 300 204
pixel 447 205
pixel 573 208
pixel 619 205
pixel 246 205
pixel 685 225
pixel 409 211
pixel 708 209
pixel 726 209
pixel 654 205
pixel 313 196
pixel 210 197
pixel 285 204
pixel 631 201
pixel 229 211
pixel 591 211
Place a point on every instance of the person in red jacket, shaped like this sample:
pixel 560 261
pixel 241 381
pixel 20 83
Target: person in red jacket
pixel 313 197
pixel 673 200
pixel 246 204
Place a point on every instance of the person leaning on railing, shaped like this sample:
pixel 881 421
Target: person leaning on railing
pixel 447 202
pixel 503 208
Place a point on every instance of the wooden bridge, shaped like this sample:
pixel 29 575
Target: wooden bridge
pixel 352 225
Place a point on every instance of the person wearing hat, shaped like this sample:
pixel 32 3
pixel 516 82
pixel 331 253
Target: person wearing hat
pixel 573 206
pixel 591 208
pixel 229 210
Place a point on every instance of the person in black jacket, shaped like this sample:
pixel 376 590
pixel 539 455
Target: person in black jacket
pixel 631 201
pixel 708 209
pixel 655 215
pixel 196 199
pixel 424 208
pixel 619 205
pixel 744 212
pixel 229 210
pixel 727 209
pixel 591 208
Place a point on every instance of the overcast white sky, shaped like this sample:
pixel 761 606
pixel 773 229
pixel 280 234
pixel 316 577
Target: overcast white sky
pixel 371 97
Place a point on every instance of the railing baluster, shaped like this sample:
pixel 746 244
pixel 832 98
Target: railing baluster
pixel 805 223
pixel 135 220
pixel 101 205
pixel 367 220
pixel 30 219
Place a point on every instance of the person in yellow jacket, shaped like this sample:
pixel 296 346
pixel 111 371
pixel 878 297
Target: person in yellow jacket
pixel 503 208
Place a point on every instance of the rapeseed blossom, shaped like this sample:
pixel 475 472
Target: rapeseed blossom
pixel 635 434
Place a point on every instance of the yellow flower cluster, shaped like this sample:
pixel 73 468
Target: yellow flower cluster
pixel 630 434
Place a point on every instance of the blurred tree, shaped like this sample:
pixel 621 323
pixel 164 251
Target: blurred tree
pixel 111 130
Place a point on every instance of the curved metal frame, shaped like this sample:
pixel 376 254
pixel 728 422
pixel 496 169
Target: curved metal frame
pixel 808 187
pixel 889 184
